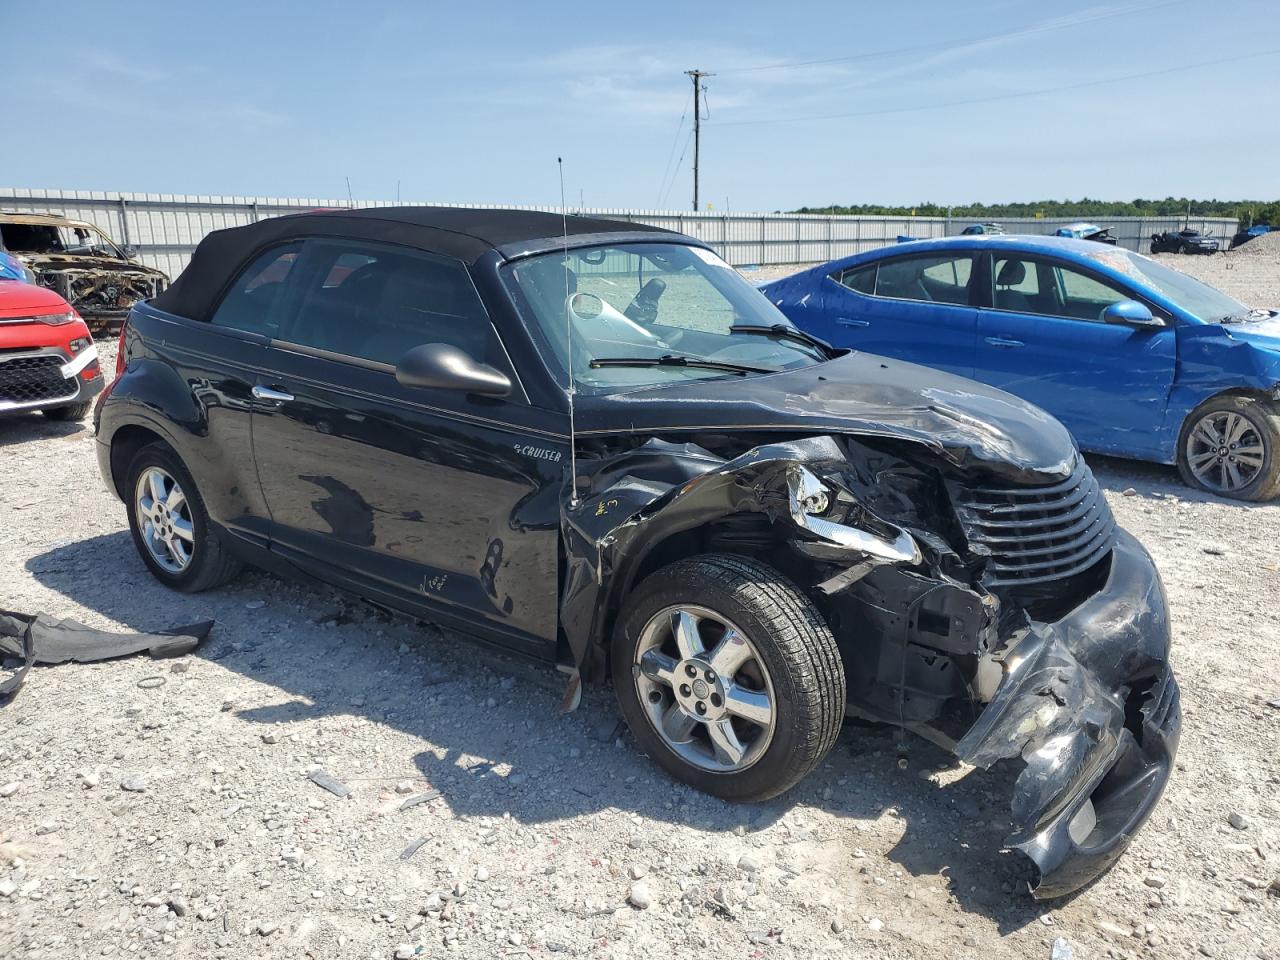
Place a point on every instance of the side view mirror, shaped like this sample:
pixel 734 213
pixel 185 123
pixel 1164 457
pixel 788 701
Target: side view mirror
pixel 442 367
pixel 130 253
pixel 1131 313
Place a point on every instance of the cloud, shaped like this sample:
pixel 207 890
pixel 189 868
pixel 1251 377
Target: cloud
pixel 109 63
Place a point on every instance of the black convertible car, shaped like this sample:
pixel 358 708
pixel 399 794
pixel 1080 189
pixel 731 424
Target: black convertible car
pixel 595 444
pixel 1183 241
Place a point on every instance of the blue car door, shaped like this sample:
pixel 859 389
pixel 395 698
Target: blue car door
pixel 1041 337
pixel 911 307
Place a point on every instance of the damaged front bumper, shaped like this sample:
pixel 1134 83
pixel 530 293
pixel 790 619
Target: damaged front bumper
pixel 1090 704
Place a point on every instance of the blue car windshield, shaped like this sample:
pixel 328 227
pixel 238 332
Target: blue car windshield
pixel 1198 299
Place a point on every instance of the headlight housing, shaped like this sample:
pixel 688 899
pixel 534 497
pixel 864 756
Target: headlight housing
pixel 59 319
pixel 809 497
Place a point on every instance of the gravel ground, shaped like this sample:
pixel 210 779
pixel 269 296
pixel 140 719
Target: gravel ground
pixel 178 820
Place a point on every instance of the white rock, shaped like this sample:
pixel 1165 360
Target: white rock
pixel 637 871
pixel 876 924
pixel 1238 820
pixel 482 874
pixel 7 888
pixel 404 786
pixel 405 952
pixel 640 897
pixel 9 789
pixel 748 864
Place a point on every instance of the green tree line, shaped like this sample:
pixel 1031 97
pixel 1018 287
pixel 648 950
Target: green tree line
pixel 1248 212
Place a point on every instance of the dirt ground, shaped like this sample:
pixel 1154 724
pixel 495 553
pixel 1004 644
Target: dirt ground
pixel 178 820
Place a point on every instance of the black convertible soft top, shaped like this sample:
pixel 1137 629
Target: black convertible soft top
pixel 465 233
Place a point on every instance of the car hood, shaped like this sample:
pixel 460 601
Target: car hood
pixel 971 425
pixel 71 261
pixel 1261 333
pixel 18 299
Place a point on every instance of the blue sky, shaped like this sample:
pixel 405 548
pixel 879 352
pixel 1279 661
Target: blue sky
pixel 474 102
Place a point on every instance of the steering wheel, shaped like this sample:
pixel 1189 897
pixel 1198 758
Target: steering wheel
pixel 643 307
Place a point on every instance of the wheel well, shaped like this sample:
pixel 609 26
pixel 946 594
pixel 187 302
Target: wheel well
pixel 125 443
pixel 1252 393
pixel 745 534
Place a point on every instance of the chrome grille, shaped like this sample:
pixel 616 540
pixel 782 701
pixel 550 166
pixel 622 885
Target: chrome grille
pixel 1038 534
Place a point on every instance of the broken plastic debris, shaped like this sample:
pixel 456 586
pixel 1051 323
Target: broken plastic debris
pixel 418 798
pixel 40 639
pixel 332 784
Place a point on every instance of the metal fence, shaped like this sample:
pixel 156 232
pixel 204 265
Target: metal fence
pixel 165 228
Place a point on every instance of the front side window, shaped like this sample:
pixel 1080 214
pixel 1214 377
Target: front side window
pixel 926 279
pixel 375 302
pixel 255 302
pixel 1044 288
pixel 633 315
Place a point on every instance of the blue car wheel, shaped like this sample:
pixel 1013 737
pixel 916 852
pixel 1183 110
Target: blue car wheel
pixel 1231 446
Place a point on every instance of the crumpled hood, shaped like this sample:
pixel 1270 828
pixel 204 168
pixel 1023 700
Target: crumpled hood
pixel 1261 333
pixel 969 424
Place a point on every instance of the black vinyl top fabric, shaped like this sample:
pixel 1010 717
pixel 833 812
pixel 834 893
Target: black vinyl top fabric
pixel 464 233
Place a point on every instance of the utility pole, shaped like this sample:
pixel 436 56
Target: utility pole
pixel 699 92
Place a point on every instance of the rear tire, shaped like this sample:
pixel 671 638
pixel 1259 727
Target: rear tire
pixel 1206 451
pixel 199 560
pixel 781 694
pixel 75 412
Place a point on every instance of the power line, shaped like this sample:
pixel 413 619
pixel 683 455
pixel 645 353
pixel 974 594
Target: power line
pixel 1059 24
pixel 1003 96
pixel 672 152
pixel 675 171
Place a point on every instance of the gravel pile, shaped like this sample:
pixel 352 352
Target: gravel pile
pixel 1266 246
pixel 318 781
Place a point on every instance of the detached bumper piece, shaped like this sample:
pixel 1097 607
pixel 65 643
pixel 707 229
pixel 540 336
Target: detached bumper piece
pixel 1090 704
pixel 36 638
pixel 46 378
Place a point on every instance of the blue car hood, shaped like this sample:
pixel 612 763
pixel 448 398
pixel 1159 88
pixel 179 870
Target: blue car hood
pixel 1260 333
pixel 968 424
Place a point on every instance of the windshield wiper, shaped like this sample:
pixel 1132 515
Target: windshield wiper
pixel 783 331
pixel 674 360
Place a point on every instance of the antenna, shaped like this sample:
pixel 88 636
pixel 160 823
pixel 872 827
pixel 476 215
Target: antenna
pixel 350 202
pixel 568 329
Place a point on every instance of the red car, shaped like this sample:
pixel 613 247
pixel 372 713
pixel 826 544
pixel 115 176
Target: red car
pixel 47 358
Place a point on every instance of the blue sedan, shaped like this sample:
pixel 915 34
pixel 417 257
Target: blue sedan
pixel 1136 359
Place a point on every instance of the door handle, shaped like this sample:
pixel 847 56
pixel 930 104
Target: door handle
pixel 1004 342
pixel 852 322
pixel 270 395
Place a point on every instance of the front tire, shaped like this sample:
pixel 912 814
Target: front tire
pixel 170 525
pixel 1231 446
pixel 728 676
pixel 76 411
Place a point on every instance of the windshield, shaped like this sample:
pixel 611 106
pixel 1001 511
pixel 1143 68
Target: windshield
pixel 1198 299
pixel 57 238
pixel 652 302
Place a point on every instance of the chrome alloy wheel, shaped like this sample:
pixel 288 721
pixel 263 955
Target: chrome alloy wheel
pixel 1225 451
pixel 164 517
pixel 705 689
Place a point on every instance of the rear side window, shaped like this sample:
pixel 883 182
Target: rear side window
pixel 375 302
pixel 254 302
pixel 926 279
pixel 858 279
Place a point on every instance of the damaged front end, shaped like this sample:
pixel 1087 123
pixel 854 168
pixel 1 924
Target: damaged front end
pixel 101 289
pixel 1003 617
